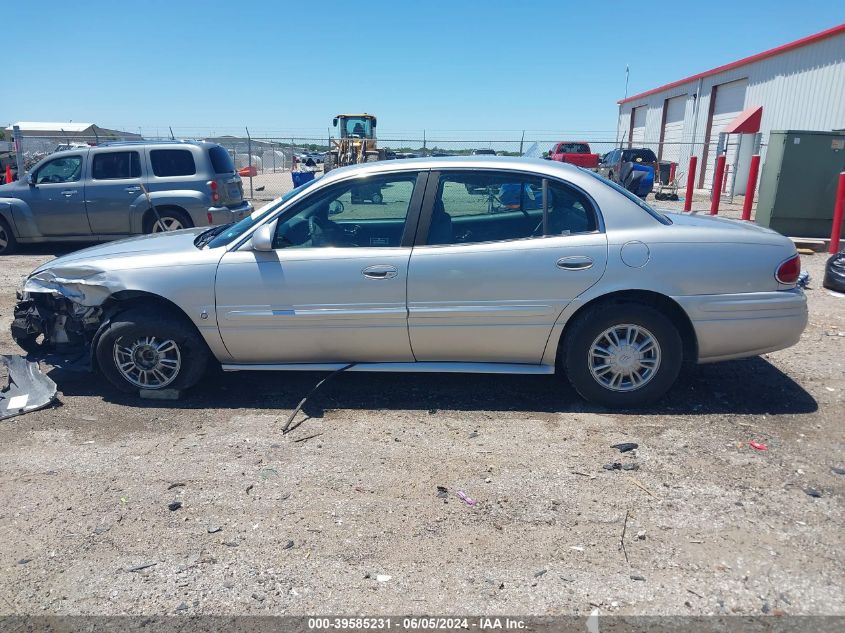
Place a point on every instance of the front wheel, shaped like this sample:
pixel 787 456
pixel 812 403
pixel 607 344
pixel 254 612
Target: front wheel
pixel 622 355
pixel 145 350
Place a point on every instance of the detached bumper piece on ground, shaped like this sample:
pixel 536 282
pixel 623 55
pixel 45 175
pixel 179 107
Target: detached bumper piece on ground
pixel 28 388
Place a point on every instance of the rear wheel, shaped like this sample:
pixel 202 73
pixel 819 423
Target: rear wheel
pixel 145 350
pixel 622 354
pixel 8 243
pixel 167 220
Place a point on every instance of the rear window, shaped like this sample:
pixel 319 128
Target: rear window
pixel 574 148
pixel 172 162
pixel 644 156
pixel 221 161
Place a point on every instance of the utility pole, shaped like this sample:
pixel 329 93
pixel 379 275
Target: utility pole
pixel 521 141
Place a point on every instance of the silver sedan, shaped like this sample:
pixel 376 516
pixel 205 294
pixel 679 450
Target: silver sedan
pixel 464 264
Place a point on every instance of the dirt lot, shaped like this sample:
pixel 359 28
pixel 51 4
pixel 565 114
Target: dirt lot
pixel 350 521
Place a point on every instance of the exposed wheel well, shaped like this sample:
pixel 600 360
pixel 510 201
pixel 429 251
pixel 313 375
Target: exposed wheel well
pixel 654 299
pixel 124 300
pixel 149 216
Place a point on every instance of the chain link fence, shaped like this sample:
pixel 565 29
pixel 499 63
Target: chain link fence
pixel 266 160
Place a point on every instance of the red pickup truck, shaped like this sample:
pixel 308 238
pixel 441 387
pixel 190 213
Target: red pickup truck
pixel 575 152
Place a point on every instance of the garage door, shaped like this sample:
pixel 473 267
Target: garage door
pixel 673 128
pixel 638 126
pixel 730 101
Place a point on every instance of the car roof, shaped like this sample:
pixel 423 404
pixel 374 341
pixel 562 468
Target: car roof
pixel 514 163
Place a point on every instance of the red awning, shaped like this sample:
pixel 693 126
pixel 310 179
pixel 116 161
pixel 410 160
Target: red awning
pixel 746 122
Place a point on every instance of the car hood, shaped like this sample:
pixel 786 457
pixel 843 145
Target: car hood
pixel 173 242
pixel 88 277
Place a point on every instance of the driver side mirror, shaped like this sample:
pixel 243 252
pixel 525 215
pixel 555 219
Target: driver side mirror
pixel 29 180
pixel 262 239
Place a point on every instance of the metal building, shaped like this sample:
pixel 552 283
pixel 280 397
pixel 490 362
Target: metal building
pixel 800 86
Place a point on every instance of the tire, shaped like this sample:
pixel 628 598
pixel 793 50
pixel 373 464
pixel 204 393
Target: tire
pixel 8 243
pixel 181 360
pixel 610 175
pixel 174 218
pixel 328 163
pixel 377 198
pixel 657 366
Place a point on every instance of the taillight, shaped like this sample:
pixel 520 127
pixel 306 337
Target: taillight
pixel 215 196
pixel 789 270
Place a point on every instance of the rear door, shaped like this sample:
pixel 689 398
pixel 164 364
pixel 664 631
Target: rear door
pixel 56 197
pixel 492 272
pixel 112 187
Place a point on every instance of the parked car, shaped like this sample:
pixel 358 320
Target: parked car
pixel 611 163
pixel 484 152
pixel 575 153
pixel 95 193
pixel 575 275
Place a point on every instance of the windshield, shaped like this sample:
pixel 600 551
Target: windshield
pixel 639 201
pixel 234 231
pixel 356 127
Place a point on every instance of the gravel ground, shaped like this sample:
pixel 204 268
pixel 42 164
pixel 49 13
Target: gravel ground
pixel 342 515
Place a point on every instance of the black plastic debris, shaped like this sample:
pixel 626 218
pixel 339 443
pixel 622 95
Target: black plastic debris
pixel 174 505
pixel 621 466
pixel 28 388
pixel 443 492
pixel 838 471
pixel 624 447
pixel 813 492
pixel 834 272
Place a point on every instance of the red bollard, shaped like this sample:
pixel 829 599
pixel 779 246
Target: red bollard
pixel 693 163
pixel 716 189
pixel 751 187
pixel 8 174
pixel 838 213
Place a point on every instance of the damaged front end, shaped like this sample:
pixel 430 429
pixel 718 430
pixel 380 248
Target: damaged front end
pixel 61 310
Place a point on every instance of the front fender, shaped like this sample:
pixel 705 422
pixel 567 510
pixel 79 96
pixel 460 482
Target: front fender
pixel 19 217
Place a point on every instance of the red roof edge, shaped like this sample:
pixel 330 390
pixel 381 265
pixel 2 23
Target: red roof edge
pixel 836 30
pixel 746 122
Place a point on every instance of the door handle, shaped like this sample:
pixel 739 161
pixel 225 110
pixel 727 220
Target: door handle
pixel 133 189
pixel 67 193
pixel 575 262
pixel 381 271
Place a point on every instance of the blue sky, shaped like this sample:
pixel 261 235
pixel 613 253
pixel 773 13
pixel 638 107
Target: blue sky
pixel 448 67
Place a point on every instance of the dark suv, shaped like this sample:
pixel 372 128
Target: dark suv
pixel 97 193
pixel 610 165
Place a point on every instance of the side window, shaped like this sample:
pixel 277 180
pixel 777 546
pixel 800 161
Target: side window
pixel 486 206
pixel 116 165
pixel 172 162
pixel 365 212
pixel 65 169
pixel 570 211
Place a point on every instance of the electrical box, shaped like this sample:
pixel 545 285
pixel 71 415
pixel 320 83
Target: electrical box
pixel 798 184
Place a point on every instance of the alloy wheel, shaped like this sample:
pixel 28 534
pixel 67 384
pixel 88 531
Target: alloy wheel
pixel 167 223
pixel 148 362
pixel 624 357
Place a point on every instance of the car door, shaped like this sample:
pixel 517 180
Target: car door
pixel 56 197
pixel 334 287
pixel 113 185
pixel 495 265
